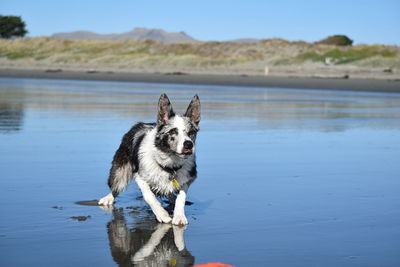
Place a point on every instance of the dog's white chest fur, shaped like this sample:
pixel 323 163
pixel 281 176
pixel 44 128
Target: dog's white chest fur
pixel 150 170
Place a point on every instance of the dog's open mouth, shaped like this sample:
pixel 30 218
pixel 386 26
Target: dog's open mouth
pixel 187 151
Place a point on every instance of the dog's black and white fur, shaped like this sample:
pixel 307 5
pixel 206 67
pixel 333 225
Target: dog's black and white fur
pixel 160 157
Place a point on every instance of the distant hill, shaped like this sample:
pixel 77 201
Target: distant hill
pixel 245 41
pixel 135 34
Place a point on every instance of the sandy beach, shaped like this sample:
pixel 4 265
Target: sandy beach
pixel 339 83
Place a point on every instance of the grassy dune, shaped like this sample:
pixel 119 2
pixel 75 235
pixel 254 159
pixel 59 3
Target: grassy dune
pixel 280 56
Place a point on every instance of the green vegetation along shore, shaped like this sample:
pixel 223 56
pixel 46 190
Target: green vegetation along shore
pixel 274 57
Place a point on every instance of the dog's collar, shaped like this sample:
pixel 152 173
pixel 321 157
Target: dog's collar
pixel 171 170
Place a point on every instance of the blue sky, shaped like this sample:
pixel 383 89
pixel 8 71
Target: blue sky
pixel 368 21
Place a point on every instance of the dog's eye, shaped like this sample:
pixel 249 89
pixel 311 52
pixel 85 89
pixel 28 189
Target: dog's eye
pixel 173 131
pixel 191 134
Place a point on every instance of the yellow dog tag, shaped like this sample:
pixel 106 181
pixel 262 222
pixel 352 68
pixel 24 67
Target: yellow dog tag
pixel 172 262
pixel 175 183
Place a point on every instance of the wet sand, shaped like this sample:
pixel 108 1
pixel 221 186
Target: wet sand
pixel 285 177
pixel 339 83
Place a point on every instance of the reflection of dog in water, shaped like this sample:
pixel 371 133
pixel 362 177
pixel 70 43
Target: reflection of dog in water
pixel 160 157
pixel 147 243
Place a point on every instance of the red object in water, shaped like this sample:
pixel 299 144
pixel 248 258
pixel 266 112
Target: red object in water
pixel 213 264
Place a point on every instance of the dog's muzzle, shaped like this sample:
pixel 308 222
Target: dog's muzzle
pixel 187 147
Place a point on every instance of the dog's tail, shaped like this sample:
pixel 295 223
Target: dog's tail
pixel 121 172
pixel 119 178
pixel 125 162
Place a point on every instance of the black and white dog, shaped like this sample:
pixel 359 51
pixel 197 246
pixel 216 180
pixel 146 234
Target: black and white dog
pixel 160 157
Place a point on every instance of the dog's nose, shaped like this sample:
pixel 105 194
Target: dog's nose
pixel 188 144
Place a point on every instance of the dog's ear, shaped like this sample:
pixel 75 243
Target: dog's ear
pixel 193 110
pixel 164 109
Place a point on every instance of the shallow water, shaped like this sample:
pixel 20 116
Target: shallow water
pixel 286 177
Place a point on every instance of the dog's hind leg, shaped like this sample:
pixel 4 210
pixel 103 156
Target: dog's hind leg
pixel 119 178
pixel 161 214
pixel 107 200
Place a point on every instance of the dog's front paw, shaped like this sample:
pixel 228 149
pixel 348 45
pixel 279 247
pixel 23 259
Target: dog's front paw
pixel 162 216
pixel 107 200
pixel 179 219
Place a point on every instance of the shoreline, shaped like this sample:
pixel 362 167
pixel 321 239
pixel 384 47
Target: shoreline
pixel 328 83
